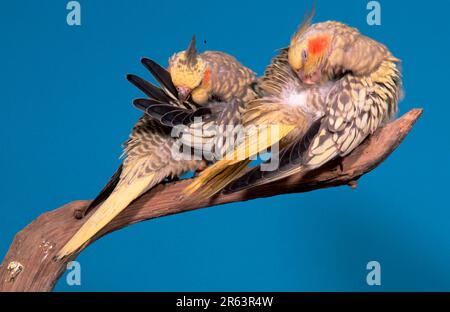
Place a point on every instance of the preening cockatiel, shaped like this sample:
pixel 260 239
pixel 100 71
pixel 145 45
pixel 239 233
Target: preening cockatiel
pixel 224 89
pixel 214 81
pixel 331 89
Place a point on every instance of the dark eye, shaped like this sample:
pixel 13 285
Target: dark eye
pixel 304 55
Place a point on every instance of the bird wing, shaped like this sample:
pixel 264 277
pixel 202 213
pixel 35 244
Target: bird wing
pixel 357 106
pixel 354 111
pixel 272 121
pixel 266 124
pixel 288 158
pixel 166 94
pixel 205 129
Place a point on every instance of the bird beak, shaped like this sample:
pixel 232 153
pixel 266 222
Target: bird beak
pixel 183 93
pixel 311 79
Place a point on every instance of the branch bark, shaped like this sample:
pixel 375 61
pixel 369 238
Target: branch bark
pixel 29 263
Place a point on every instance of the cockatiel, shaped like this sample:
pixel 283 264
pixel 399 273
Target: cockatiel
pixel 211 79
pixel 333 87
pixel 217 82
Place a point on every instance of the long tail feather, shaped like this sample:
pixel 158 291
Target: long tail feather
pixel 221 173
pixel 107 211
pixel 290 160
pixel 107 189
pixel 218 182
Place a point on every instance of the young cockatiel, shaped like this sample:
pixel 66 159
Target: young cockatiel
pixel 211 79
pixel 343 87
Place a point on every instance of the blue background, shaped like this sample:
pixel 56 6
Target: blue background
pixel 65 109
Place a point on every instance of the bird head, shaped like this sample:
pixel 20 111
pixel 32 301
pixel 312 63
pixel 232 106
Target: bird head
pixel 189 72
pixel 308 57
pixel 309 50
pixel 328 50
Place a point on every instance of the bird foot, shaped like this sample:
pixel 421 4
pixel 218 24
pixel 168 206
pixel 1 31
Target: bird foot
pixel 80 212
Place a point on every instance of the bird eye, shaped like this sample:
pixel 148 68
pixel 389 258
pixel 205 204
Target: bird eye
pixel 304 55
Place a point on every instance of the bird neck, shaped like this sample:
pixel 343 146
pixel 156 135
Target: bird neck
pixel 228 79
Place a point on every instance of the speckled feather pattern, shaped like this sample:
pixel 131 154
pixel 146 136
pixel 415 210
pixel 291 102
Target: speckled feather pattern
pixel 363 97
pixel 149 150
pixel 232 84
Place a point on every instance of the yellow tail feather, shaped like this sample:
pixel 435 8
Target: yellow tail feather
pixel 108 210
pixel 215 177
pixel 218 182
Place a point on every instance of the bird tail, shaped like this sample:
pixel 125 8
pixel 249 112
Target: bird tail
pixel 119 199
pixel 220 174
pixel 210 184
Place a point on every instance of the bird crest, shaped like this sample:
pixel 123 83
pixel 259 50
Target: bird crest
pixel 191 53
pixel 187 68
pixel 304 25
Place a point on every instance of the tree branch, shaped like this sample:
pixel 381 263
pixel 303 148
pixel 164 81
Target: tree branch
pixel 29 263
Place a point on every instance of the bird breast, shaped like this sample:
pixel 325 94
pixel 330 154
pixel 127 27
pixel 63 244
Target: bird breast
pixel 310 99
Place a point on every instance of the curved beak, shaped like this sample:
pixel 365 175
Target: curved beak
pixel 309 79
pixel 183 93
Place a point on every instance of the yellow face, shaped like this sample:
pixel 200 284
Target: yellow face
pixel 186 75
pixel 307 57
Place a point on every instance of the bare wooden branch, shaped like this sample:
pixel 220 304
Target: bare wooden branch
pixel 29 264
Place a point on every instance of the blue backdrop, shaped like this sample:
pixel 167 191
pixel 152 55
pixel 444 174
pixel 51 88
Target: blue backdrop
pixel 65 109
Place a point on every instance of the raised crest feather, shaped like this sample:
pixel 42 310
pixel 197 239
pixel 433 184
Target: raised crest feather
pixel 191 52
pixel 304 25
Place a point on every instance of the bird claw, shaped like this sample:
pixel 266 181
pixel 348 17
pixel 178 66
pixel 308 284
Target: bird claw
pixel 80 212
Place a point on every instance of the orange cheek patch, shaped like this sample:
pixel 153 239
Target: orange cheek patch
pixel 206 77
pixel 317 45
